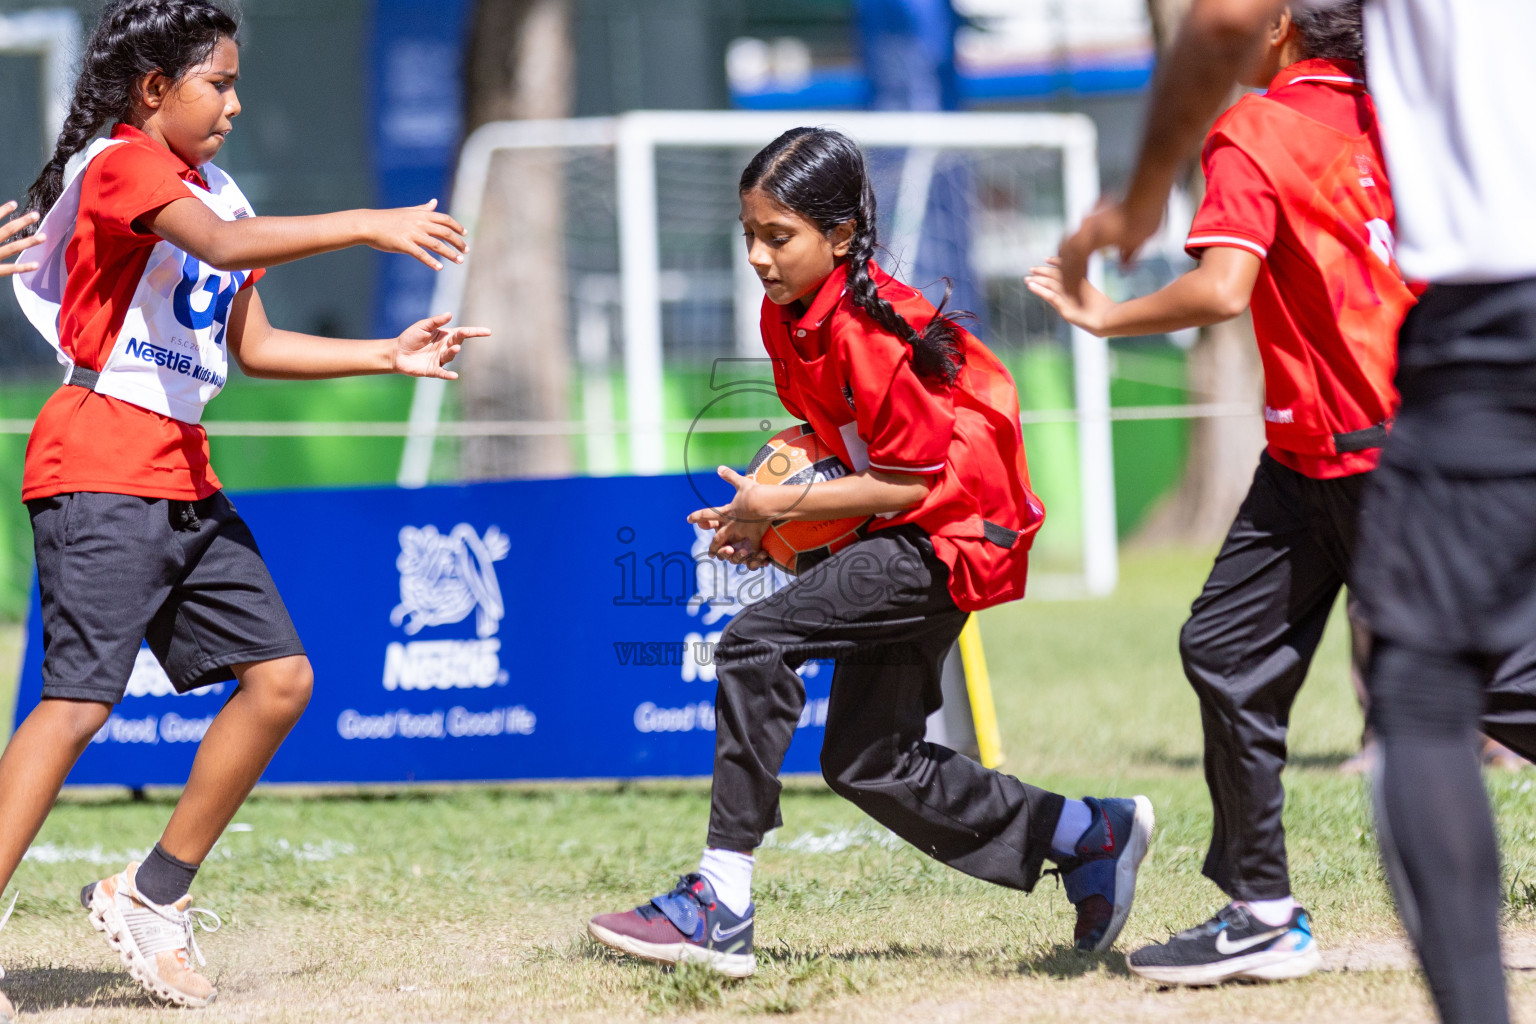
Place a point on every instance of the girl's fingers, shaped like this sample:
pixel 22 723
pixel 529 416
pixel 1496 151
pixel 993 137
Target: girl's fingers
pixel 422 255
pixel 8 207
pixel 452 244
pixel 21 223
pixel 442 248
pixel 447 221
pixel 449 226
pixel 12 269
pixel 730 476
pixel 430 204
pixel 20 245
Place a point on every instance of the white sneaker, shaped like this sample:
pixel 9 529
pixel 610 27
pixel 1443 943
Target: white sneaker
pixel 153 941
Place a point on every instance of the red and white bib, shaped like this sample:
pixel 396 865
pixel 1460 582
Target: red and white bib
pixel 170 356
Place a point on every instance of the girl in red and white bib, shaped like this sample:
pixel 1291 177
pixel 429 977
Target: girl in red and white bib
pixel 927 420
pixel 144 282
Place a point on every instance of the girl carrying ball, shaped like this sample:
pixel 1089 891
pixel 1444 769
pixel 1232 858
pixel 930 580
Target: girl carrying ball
pixel 927 419
pixel 144 281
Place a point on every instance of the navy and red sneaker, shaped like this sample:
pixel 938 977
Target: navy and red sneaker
pixel 1101 878
pixel 686 924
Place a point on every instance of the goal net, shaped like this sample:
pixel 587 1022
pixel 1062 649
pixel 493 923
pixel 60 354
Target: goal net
pixel 608 253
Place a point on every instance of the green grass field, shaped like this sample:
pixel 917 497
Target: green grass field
pixel 469 904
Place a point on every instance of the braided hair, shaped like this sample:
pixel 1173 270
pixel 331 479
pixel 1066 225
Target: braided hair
pixel 820 174
pixel 132 39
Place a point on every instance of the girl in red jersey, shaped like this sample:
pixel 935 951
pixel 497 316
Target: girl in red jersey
pixel 144 283
pixel 927 419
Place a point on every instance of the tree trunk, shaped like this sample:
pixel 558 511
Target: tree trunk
pixel 1224 367
pixel 521 66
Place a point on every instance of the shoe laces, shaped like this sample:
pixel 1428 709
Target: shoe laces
pixel 185 922
pixel 1063 868
pixel 1231 914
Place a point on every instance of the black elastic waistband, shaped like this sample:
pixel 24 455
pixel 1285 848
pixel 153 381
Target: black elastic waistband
pixel 999 535
pixel 1361 440
pixel 80 377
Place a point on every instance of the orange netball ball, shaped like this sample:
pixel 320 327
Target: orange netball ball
pixel 797 457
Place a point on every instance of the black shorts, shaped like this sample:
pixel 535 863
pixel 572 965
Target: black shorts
pixel 1447 552
pixel 115 570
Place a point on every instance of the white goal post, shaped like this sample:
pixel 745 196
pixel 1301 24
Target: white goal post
pixel 634 140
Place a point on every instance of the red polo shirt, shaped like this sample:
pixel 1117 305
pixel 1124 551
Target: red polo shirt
pixel 82 441
pixel 853 382
pixel 1296 176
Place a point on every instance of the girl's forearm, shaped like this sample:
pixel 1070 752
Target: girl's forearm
pixel 288 355
pixel 868 493
pixel 270 241
pixel 1192 300
pixel 1216 290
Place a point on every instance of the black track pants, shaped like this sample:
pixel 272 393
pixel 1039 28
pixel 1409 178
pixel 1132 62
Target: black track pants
pixel 1250 639
pixel 1447 574
pixel 1425 709
pixel 1246 648
pixel 882 609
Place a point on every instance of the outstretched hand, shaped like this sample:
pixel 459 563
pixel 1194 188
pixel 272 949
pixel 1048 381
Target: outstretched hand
pixel 739 526
pixel 1113 224
pixel 417 231
pixel 1083 308
pixel 425 348
pixel 10 228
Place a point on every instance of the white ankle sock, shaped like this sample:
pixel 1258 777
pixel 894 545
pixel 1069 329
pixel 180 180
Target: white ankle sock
pixel 1074 821
pixel 731 875
pixel 1272 912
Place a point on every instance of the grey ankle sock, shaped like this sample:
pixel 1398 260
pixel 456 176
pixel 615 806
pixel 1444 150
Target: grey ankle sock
pixel 164 879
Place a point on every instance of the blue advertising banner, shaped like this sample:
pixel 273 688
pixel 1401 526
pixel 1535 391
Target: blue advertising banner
pixel 513 630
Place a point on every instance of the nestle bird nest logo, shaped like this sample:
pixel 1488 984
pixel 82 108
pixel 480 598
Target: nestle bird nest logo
pixel 443 578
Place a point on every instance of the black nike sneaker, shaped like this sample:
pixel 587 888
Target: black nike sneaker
pixel 1233 944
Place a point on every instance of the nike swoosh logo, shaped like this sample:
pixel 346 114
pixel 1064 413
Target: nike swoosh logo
pixel 720 936
pixel 1226 948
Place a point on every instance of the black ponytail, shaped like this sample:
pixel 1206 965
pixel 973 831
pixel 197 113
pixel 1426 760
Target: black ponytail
pixel 820 175
pixel 132 39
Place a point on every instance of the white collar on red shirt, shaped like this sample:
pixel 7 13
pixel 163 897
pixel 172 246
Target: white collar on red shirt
pixel 1319 69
